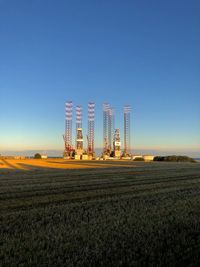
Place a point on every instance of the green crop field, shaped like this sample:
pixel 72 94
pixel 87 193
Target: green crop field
pixel 116 214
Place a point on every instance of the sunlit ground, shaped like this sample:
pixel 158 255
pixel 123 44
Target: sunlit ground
pixel 31 164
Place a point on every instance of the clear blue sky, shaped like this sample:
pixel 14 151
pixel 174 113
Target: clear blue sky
pixel 142 53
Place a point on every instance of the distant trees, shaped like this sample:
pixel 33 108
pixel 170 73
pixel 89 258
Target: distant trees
pixel 37 156
pixel 174 158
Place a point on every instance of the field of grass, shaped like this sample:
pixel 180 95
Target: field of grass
pixel 31 164
pixel 62 213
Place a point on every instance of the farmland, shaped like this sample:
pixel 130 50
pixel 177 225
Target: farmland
pixel 67 213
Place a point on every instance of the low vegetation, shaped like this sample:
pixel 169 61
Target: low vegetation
pixel 175 159
pixel 37 156
pixel 135 214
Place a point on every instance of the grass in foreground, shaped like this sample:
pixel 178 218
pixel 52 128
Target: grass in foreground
pixel 147 214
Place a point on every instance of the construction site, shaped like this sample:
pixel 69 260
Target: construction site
pixel 84 148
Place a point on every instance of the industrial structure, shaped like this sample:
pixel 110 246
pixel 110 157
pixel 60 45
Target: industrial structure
pixel 105 127
pixel 79 132
pixel 108 129
pixel 117 144
pixel 111 136
pixel 90 136
pixel 127 130
pixel 68 130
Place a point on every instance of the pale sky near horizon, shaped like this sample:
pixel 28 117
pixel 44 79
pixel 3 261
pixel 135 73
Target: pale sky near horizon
pixel 142 53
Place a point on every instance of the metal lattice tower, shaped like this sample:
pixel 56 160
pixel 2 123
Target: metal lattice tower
pixel 108 128
pixel 106 107
pixel 127 130
pixel 68 128
pixel 78 117
pixel 91 124
pixel 111 127
pixel 79 131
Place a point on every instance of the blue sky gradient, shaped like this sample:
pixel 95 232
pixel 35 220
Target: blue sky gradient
pixel 142 53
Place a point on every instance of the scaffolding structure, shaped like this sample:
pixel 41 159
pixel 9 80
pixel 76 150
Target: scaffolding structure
pixel 67 137
pixel 111 127
pixel 106 107
pixel 127 130
pixel 108 129
pixel 91 125
pixel 79 131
